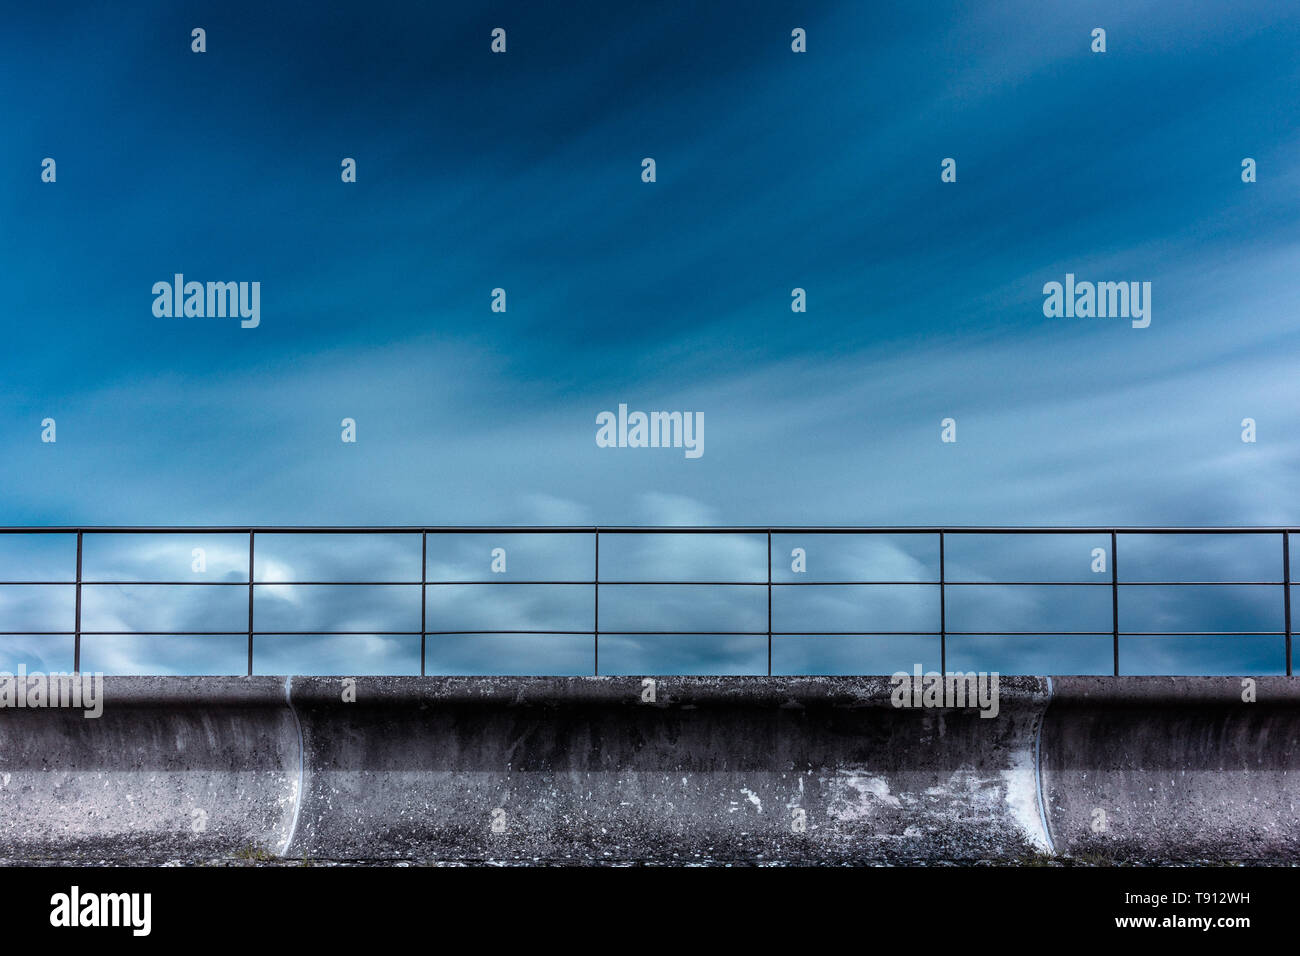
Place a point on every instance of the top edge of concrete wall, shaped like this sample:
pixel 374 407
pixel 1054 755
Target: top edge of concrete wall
pixel 191 691
pixel 863 691
pixel 669 691
pixel 1168 691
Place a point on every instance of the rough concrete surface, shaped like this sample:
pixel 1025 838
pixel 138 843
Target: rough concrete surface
pixel 1173 767
pixel 570 770
pixel 174 766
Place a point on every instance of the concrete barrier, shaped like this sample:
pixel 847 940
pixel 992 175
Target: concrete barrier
pixel 175 767
pixel 1173 767
pixel 821 769
pixel 715 768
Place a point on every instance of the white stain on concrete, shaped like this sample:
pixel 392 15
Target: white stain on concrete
pixel 1021 784
pixel 856 795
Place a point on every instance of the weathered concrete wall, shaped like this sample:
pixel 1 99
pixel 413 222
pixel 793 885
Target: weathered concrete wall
pixel 1173 767
pixel 576 769
pixel 174 767
pixel 579 769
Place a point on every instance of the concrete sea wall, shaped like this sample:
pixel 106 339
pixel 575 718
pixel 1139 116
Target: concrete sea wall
pixel 817 769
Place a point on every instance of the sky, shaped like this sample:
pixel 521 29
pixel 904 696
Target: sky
pixel 774 171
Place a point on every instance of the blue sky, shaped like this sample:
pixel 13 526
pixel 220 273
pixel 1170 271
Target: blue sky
pixel 775 170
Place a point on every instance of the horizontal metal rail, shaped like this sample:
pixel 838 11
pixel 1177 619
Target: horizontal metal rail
pixel 641 529
pixel 763 535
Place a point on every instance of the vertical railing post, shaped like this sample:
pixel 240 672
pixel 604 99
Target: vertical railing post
pixel 250 602
pixel 76 640
pixel 1286 592
pixel 943 611
pixel 424 593
pixel 595 624
pixel 769 602
pixel 1114 601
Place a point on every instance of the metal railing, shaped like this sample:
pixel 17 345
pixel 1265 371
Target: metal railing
pixel 942 583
